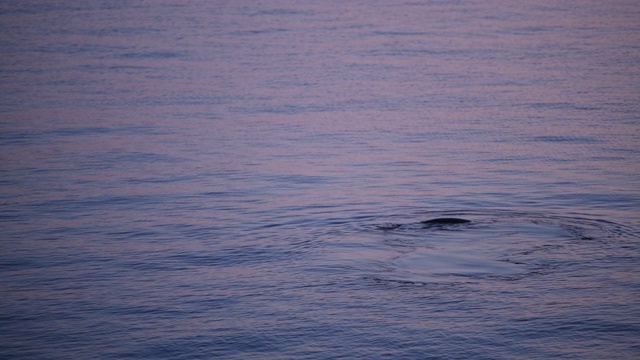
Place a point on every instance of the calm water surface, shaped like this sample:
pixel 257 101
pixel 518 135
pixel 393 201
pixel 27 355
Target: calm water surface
pixel 215 179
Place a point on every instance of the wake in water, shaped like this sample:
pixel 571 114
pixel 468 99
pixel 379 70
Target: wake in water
pixel 499 245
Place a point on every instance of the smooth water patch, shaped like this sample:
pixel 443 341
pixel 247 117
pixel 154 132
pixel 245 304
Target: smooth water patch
pixel 498 246
pixel 423 265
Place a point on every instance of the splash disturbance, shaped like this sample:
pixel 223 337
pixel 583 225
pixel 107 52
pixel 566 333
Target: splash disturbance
pixel 319 180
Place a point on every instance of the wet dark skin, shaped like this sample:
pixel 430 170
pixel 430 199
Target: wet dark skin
pixel 433 222
pixel 446 221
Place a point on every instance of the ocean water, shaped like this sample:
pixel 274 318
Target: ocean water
pixel 219 179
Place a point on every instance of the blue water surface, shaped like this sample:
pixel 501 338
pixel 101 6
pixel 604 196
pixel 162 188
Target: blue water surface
pixel 247 180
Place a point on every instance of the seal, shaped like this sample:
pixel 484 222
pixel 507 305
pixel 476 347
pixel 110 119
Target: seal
pixel 435 223
pixel 445 221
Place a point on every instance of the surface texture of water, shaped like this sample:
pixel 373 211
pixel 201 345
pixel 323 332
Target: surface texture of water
pixel 217 179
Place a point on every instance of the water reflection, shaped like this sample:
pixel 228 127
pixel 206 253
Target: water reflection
pixel 208 178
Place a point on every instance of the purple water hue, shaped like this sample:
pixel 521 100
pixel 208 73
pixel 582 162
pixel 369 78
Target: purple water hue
pixel 184 180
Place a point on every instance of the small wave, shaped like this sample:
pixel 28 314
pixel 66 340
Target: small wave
pixel 152 55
